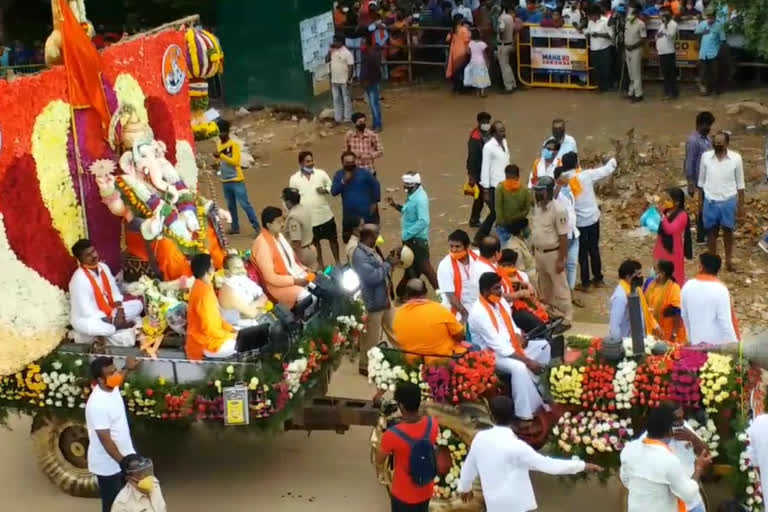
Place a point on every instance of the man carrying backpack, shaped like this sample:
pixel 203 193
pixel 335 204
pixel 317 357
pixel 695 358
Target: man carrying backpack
pixel 412 444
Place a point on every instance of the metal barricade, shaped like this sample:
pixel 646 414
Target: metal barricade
pixel 554 57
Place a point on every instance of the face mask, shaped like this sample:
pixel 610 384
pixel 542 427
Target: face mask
pixel 511 271
pixel 115 380
pixel 285 206
pixel 307 170
pixel 558 134
pixel 459 255
pixel 485 127
pixel 360 127
pixel 380 241
pixel 494 299
pixel 146 484
pixel 719 148
pixel 652 274
pixel 637 282
pixel 547 154
pixel 350 167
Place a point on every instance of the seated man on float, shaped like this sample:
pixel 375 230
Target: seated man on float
pixel 240 298
pixel 453 275
pixel 284 278
pixel 97 306
pixel 491 327
pixel 527 311
pixel 425 327
pixel 207 333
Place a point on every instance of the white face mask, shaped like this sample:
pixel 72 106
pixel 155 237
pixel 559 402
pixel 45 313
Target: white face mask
pixel 485 127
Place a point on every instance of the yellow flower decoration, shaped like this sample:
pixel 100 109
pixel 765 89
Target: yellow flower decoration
pixel 49 149
pixel 129 92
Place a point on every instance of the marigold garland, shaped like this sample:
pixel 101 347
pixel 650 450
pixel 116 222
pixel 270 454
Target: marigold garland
pixel 49 149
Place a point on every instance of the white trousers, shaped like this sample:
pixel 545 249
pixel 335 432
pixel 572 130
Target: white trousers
pixel 227 349
pixel 87 328
pixel 634 60
pixel 524 392
pixel 507 73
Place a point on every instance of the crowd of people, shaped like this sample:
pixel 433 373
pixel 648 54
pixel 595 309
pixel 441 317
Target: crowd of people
pixel 483 36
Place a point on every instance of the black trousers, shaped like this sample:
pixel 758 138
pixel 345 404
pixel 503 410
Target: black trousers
pixel 668 63
pixel 701 233
pixel 589 254
pixel 602 61
pixel 399 506
pixel 709 73
pixel 526 320
pixel 490 220
pixel 477 204
pixel 109 488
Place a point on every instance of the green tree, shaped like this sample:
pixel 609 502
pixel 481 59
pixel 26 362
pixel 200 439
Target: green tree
pixel 752 21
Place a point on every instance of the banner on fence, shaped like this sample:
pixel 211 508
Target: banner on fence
pixel 560 60
pixel 686 46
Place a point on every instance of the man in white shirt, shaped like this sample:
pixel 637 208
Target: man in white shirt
pixel 650 470
pixel 564 195
pixel 314 185
pixel 491 327
pixel 567 142
pixel 495 160
pixel 582 183
pixel 721 180
pixel 503 463
pixel 453 275
pixel 342 68
pixel 109 439
pixel 634 41
pixel 600 35
pixel 489 250
pixel 546 162
pixel 665 47
pixel 97 308
pixel 706 306
pixel 464 11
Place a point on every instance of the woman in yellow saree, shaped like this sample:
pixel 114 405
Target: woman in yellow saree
pixel 663 298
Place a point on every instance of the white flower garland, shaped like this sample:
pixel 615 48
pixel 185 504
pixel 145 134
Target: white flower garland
pixel 753 491
pixel 129 92
pixel 624 384
pixel 707 433
pixel 34 313
pixel 459 452
pixel 61 390
pixel 186 165
pixel 293 374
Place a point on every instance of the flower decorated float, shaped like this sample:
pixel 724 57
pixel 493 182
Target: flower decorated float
pixel 598 404
pixel 205 60
pixel 103 148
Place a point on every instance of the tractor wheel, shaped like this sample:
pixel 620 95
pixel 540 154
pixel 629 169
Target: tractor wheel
pixel 61 445
pixel 465 421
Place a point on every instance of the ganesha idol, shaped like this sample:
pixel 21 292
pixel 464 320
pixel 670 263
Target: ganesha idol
pixel 166 222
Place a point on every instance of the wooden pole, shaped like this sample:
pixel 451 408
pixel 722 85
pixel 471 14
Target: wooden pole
pixel 410 55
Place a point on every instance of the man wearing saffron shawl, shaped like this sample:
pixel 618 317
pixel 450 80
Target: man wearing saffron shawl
pixel 280 272
pixel 97 306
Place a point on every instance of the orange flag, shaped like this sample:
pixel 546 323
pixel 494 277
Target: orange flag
pixel 83 66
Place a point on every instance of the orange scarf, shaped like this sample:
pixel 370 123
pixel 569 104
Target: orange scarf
pixel 513 338
pixel 511 185
pixel 535 171
pixel 575 185
pixel 713 279
pixel 653 442
pixel 648 319
pixel 505 281
pixel 104 299
pixel 457 282
pixel 277 259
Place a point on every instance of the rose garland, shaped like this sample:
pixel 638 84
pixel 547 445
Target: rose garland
pixel 652 381
pixel 752 492
pixel 707 432
pixel 624 384
pixel 566 384
pixel 473 374
pixel 685 386
pixel 590 433
pixel 446 485
pixel 715 384
pixel 599 394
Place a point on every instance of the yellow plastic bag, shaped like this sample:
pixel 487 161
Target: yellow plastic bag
pixel 472 191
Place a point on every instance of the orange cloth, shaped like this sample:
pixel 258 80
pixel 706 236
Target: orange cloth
pixel 206 330
pixel 650 321
pixel 535 170
pixel 426 327
pixel 659 298
pixel 575 184
pixel 459 54
pixel 711 278
pixel 513 338
pixel 217 251
pixel 457 282
pixel 83 66
pixel 272 272
pixel 511 185
pixel 104 299
pixel 653 442
pixel 171 262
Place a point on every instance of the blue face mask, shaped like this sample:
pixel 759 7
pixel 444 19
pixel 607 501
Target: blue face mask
pixel 547 154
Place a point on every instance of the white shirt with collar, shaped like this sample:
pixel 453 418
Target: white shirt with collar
pixel 483 332
pixel 666 37
pixel 503 462
pixel 542 169
pixel 587 209
pixel 758 447
pixel 476 269
pixel 495 160
pixel 565 197
pixel 445 281
pixel 307 185
pixel 567 145
pixel 721 179
pixel 599 27
pixel 706 310
pixel 655 478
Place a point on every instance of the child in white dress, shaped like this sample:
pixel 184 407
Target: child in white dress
pixel 476 73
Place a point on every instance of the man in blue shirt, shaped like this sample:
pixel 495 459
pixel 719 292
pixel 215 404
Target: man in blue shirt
pixel 415 230
pixel 531 13
pixel 712 34
pixel 359 189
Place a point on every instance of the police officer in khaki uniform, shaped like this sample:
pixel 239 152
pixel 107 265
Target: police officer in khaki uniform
pixel 298 228
pixel 549 236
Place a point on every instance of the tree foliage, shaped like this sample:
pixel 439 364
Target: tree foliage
pixel 752 21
